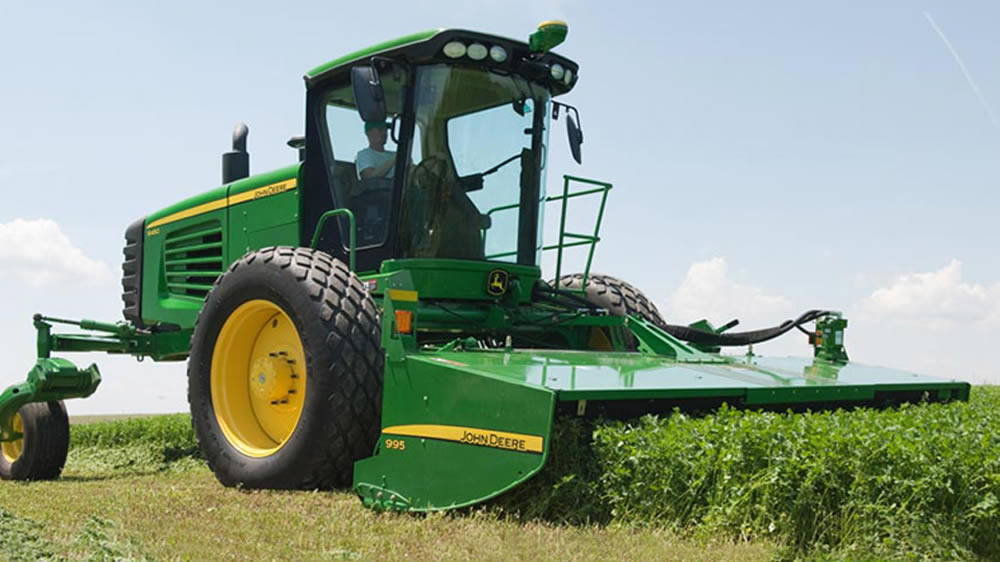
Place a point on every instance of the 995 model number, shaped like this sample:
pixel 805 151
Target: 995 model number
pixel 397 444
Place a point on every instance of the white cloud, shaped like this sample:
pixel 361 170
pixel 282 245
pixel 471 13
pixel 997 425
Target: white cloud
pixel 39 253
pixel 897 325
pixel 936 299
pixel 707 292
pixel 929 322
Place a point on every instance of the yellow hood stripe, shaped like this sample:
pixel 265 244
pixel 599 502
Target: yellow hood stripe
pixel 196 210
pixel 261 192
pixel 253 194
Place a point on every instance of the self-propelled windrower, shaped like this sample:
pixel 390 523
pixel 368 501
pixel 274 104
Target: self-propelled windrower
pixel 374 316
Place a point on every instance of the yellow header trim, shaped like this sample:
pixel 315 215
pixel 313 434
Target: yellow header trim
pixel 403 296
pixel 471 436
pixel 260 192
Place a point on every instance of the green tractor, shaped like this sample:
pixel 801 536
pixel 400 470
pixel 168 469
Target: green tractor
pixel 375 317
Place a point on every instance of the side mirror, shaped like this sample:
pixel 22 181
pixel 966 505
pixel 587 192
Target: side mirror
pixel 368 93
pixel 575 138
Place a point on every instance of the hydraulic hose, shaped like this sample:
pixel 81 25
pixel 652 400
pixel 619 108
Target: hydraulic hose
pixel 701 337
pixel 546 293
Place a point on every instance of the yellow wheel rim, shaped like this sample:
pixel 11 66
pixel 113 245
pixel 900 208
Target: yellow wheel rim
pixel 258 378
pixel 12 449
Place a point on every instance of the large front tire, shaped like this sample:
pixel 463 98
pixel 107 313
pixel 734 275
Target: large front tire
pixel 285 373
pixel 41 453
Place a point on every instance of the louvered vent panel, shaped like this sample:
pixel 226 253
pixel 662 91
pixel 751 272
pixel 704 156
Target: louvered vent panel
pixel 193 259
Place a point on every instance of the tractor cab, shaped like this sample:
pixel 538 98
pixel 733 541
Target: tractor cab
pixel 426 138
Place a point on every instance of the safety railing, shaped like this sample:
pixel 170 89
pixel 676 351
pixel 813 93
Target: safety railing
pixel 567 239
pixel 322 222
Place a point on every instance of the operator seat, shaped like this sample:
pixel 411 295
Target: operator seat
pixel 368 199
pixel 370 205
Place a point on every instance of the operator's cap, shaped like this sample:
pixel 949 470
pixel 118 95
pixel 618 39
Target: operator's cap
pixel 369 125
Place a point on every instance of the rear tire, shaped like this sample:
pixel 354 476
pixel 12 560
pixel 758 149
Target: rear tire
pixel 41 453
pixel 285 373
pixel 617 297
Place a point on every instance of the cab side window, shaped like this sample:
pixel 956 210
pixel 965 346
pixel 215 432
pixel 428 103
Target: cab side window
pixel 363 161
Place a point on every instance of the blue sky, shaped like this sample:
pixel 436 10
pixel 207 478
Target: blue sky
pixel 767 157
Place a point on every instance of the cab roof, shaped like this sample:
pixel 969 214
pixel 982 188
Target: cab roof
pixel 389 45
pixel 426 46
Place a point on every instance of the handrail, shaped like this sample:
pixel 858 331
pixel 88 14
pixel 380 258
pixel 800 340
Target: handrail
pixel 552 198
pixel 578 239
pixel 604 184
pixel 593 239
pixel 322 222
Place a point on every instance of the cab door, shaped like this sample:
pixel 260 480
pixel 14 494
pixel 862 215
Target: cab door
pixel 355 165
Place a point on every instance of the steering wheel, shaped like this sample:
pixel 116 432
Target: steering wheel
pixel 430 172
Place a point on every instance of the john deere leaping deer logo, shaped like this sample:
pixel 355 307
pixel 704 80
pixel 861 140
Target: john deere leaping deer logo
pixel 496 284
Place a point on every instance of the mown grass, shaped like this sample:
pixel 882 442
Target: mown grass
pixel 916 482
pixel 137 490
pixel 134 446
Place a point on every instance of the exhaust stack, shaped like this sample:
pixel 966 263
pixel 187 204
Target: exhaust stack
pixel 236 164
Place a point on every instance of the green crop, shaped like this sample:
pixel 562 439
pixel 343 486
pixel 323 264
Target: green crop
pixel 169 431
pixel 917 481
pixel 133 446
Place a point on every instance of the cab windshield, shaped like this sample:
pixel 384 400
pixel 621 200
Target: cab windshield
pixel 481 138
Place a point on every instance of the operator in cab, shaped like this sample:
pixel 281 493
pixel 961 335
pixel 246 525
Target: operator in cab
pixel 374 161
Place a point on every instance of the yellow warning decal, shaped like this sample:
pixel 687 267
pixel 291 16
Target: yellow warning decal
pixel 403 296
pixel 253 194
pixel 471 436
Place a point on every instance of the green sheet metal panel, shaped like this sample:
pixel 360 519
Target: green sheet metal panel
pixel 463 279
pixel 453 437
pixel 264 211
pixel 202 201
